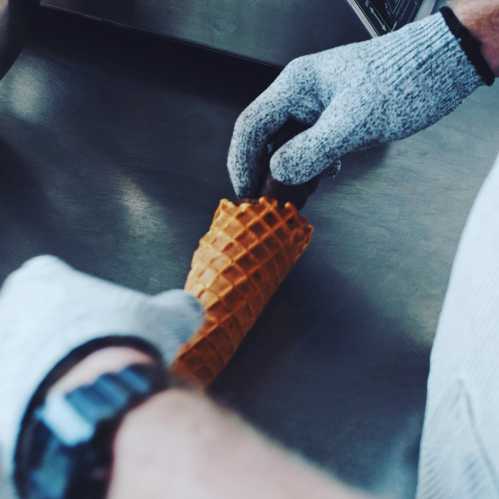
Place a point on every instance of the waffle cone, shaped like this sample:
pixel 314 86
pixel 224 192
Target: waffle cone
pixel 239 265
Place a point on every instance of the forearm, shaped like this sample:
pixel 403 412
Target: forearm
pixel 180 444
pixel 481 17
pixel 194 449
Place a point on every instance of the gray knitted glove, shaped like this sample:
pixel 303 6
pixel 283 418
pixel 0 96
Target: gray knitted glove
pixel 48 310
pixel 355 96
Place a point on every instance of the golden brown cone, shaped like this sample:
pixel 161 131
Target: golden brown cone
pixel 239 265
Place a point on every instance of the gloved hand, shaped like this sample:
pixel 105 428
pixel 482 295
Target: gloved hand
pixel 48 310
pixel 352 97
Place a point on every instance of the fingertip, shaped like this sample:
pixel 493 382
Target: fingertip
pixel 179 297
pixel 244 178
pixel 186 308
pixel 242 158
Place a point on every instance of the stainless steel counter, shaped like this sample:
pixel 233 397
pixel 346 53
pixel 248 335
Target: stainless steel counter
pixel 272 31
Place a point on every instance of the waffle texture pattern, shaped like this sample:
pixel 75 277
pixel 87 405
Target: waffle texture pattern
pixel 239 265
pixel 48 309
pixel 352 97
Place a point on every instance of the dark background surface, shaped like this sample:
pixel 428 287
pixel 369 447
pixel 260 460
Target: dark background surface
pixel 284 29
pixel 113 149
pixel 273 31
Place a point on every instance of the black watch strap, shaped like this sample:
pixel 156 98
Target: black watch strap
pixel 67 447
pixel 471 46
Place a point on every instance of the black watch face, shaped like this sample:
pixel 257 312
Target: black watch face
pixel 59 471
pixel 65 451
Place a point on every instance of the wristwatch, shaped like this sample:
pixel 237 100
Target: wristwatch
pixel 66 447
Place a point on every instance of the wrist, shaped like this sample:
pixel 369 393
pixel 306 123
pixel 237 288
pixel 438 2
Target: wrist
pixel 70 438
pixel 481 19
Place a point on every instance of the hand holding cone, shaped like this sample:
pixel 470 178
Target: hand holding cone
pixel 239 265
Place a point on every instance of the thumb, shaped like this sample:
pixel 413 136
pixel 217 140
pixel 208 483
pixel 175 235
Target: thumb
pixel 310 153
pixel 183 315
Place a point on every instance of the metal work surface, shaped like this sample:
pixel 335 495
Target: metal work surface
pixel 113 152
pixel 274 31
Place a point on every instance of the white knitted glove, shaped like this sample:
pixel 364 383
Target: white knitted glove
pixel 352 97
pixel 48 310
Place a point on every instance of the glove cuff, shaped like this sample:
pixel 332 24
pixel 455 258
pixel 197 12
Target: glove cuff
pixel 427 48
pixel 470 45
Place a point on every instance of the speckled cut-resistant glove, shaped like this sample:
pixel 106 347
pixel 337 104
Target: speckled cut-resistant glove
pixel 48 310
pixel 352 97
